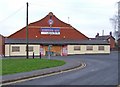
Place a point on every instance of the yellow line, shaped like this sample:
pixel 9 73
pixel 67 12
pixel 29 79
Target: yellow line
pixel 83 65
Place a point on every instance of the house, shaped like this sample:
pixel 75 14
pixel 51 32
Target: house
pixel 108 38
pixel 118 41
pixel 51 35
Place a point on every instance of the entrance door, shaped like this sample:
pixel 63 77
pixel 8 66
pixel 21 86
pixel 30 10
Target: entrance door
pixel 41 50
pixel 64 50
pixel 54 50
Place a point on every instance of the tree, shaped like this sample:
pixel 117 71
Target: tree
pixel 114 22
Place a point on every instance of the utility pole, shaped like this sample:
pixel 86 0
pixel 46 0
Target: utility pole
pixel 50 23
pixel 27 41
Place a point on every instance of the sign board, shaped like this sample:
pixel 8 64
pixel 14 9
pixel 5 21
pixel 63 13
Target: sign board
pixel 53 31
pixel 50 21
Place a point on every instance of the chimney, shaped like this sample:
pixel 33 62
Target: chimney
pixel 110 33
pixel 102 32
pixel 97 35
pixel 50 14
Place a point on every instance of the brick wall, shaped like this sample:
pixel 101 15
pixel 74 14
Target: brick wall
pixel 112 43
pixel 1 45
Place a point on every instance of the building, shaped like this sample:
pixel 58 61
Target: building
pixel 109 38
pixel 1 45
pixel 52 34
pixel 118 41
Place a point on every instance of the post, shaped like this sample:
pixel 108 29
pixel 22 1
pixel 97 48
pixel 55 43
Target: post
pixel 48 51
pixel 33 55
pixel 40 55
pixel 27 53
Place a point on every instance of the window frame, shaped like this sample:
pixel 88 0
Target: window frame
pixel 15 48
pixel 89 48
pixel 99 48
pixel 30 48
pixel 77 48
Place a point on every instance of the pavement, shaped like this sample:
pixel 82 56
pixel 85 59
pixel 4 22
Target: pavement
pixel 70 64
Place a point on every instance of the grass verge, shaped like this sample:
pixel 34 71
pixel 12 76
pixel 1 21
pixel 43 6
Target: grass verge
pixel 11 66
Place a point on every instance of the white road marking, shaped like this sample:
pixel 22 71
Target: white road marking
pixel 83 66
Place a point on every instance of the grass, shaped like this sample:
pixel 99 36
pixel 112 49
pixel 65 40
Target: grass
pixel 0 67
pixel 11 66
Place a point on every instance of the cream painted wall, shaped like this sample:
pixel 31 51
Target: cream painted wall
pixel 84 51
pixel 8 50
pixel 36 48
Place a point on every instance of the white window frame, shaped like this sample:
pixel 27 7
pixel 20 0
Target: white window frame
pixel 15 48
pixel 77 48
pixel 30 48
pixel 101 48
pixel 89 48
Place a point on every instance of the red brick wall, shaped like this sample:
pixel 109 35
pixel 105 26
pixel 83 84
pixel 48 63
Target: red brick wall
pixel 1 45
pixel 119 43
pixel 112 43
pixel 66 30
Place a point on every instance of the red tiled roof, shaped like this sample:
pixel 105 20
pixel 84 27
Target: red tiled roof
pixel 66 30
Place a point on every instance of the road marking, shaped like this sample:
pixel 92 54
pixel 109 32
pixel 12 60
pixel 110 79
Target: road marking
pixel 56 73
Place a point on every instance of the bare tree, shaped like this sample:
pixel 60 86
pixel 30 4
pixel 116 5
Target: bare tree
pixel 114 22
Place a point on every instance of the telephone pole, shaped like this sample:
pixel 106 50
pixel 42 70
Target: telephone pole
pixel 27 41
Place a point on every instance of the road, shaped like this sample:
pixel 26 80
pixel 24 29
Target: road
pixel 100 70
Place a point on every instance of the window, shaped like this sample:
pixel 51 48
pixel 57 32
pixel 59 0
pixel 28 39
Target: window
pixel 15 49
pixel 30 48
pixel 89 48
pixel 76 48
pixel 101 48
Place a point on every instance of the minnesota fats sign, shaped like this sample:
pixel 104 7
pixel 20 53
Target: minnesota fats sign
pixel 54 31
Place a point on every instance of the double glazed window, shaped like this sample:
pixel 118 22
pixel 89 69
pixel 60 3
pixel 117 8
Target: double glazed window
pixel 89 48
pixel 76 48
pixel 15 49
pixel 30 49
pixel 101 48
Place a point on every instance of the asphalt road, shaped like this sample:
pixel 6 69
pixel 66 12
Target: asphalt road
pixel 100 70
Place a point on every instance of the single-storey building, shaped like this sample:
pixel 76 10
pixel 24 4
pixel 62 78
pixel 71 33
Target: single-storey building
pixel 52 34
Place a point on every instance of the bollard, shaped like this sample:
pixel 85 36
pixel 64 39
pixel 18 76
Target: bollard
pixel 33 55
pixel 40 55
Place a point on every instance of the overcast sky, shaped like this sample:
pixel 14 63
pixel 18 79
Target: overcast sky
pixel 87 16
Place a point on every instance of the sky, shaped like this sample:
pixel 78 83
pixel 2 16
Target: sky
pixel 88 16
